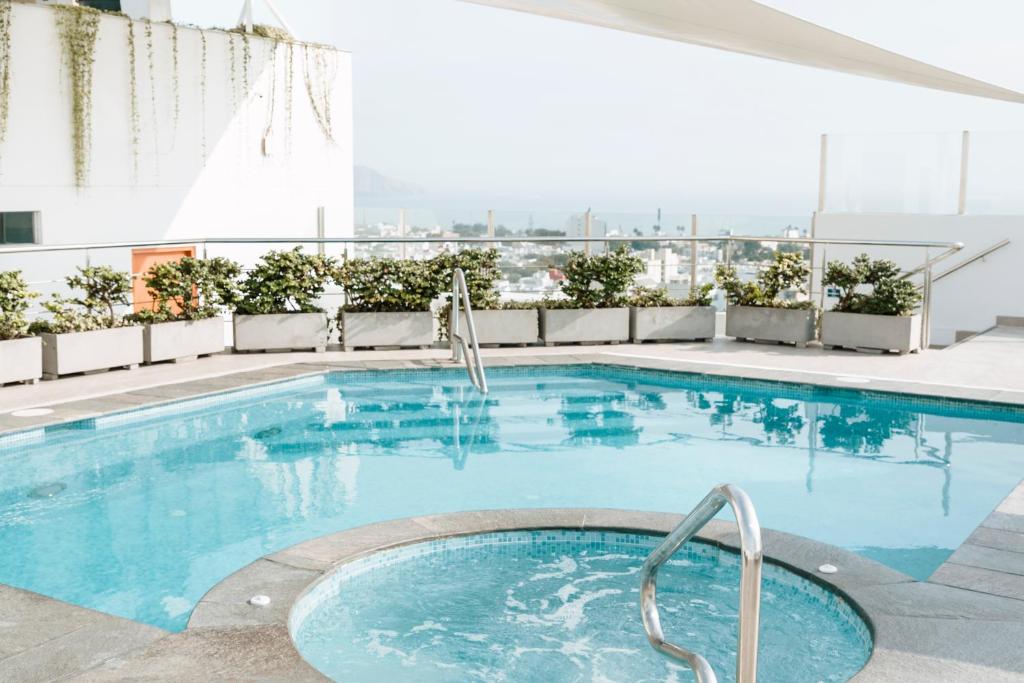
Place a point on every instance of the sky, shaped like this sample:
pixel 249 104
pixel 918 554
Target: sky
pixel 476 104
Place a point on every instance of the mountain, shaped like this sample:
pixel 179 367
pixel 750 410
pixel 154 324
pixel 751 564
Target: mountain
pixel 371 183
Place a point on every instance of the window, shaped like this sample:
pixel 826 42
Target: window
pixel 105 5
pixel 17 227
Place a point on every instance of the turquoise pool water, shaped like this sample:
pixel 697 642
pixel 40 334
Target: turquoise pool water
pixel 140 514
pixel 532 607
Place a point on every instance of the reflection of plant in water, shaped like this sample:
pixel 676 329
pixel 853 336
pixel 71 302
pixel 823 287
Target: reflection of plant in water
pixel 781 423
pixel 599 420
pixel 853 430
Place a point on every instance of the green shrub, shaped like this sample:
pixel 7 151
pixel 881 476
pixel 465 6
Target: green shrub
pixel 601 280
pixel 890 294
pixel 103 289
pixel 387 285
pixel 191 289
pixel 482 272
pixel 286 282
pixel 15 298
pixel 788 272
pixel 646 297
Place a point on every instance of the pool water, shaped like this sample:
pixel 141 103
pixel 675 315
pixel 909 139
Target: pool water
pixel 139 514
pixel 562 606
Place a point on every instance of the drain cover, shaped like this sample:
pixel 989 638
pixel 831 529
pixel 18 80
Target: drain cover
pixel 47 491
pixel 32 412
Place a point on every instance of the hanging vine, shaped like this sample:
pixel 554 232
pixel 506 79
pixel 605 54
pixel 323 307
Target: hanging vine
pixel 202 88
pixel 289 89
pixel 78 28
pixel 5 66
pixel 152 85
pixel 272 99
pixel 233 72
pixel 319 70
pixel 246 64
pixel 133 96
pixel 175 76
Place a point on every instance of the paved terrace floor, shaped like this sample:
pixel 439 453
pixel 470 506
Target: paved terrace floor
pixel 970 629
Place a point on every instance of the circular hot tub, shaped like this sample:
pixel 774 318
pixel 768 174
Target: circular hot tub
pixel 553 606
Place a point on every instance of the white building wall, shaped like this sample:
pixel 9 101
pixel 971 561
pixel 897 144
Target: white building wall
pixel 204 175
pixel 969 299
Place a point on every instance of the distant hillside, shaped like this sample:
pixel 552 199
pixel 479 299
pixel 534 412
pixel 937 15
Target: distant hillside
pixel 370 183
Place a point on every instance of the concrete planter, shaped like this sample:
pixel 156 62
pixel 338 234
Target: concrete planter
pixel 503 327
pixel 584 325
pixel 861 332
pixel 183 340
pixel 21 360
pixel 787 325
pixel 281 332
pixel 67 354
pixel 404 330
pixel 672 323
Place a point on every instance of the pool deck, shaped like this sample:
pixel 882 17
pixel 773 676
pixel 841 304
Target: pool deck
pixel 966 623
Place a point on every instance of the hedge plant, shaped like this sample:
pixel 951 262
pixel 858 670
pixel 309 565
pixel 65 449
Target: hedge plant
pixel 647 297
pixel 103 290
pixel 890 294
pixel 480 266
pixel 388 285
pixel 191 289
pixel 15 298
pixel 286 282
pixel 788 272
pixel 599 280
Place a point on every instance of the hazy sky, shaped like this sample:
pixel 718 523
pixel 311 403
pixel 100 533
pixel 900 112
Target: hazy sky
pixel 474 102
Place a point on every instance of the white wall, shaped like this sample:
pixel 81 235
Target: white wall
pixel 967 300
pixel 234 190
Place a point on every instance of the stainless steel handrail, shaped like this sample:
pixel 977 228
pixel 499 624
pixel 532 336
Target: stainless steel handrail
pixel 751 556
pixel 968 261
pixel 461 347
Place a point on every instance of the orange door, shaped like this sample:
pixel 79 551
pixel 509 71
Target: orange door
pixel 142 261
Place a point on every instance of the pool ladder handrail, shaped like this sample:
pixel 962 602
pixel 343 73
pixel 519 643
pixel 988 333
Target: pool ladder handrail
pixel 461 347
pixel 751 557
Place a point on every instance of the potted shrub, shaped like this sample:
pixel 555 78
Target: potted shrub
pixel 594 310
pixel 20 355
pixel 757 310
pixel 388 302
pixel 655 316
pixel 87 334
pixel 497 323
pixel 188 298
pixel 881 319
pixel 279 306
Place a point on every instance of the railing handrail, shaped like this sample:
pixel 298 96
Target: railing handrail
pixel 751 557
pixel 474 367
pixel 87 246
pixel 972 259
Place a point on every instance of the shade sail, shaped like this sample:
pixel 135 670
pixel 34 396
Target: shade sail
pixel 751 28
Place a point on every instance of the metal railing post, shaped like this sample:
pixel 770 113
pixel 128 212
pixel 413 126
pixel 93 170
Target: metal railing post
pixel 694 254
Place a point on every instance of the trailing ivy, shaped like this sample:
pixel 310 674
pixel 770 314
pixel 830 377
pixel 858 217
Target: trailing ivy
pixel 319 70
pixel 202 88
pixel 289 92
pixel 133 96
pixel 78 28
pixel 233 71
pixel 5 66
pixel 152 85
pixel 246 66
pixel 175 76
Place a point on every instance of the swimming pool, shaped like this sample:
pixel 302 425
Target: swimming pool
pixel 139 514
pixel 559 605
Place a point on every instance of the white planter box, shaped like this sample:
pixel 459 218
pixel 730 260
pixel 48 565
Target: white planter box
pixel 584 325
pixel 66 354
pixel 182 340
pixel 672 323
pixel 412 329
pixel 503 327
pixel 788 325
pixel 281 332
pixel 21 360
pixel 871 332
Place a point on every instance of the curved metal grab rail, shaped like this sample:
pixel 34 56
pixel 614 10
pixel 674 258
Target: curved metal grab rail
pixel 751 556
pixel 461 348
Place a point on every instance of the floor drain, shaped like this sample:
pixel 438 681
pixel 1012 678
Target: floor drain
pixel 47 491
pixel 828 569
pixel 259 600
pixel 32 412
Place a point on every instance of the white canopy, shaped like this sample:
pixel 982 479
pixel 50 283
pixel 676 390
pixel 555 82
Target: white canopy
pixel 751 28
